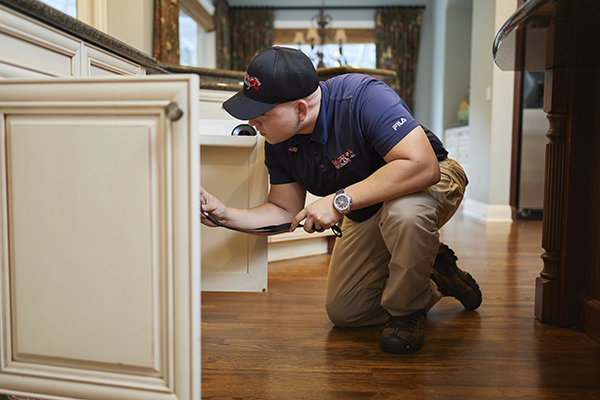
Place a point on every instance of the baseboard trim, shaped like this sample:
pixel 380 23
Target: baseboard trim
pixel 487 212
pixel 591 319
pixel 285 250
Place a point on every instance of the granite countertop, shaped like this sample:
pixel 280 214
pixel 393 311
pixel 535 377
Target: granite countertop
pixel 52 17
pixel 221 79
pixel 508 56
pixel 213 79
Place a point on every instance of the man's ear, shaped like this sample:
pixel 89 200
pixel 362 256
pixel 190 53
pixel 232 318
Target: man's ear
pixel 301 110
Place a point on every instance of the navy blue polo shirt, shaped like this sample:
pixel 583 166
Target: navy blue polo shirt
pixel 360 121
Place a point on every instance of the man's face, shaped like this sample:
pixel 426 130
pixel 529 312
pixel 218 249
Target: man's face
pixel 278 124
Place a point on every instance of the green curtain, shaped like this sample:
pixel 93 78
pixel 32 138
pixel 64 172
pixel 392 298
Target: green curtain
pixel 397 33
pixel 166 31
pixel 241 34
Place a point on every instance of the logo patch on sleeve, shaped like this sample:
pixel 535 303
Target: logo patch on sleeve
pixel 398 124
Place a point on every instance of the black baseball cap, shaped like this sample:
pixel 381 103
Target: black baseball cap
pixel 276 75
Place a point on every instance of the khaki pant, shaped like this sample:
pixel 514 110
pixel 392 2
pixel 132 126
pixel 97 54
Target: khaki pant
pixel 383 264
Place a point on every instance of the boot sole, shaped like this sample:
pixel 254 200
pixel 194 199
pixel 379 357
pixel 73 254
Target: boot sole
pixel 463 276
pixel 468 279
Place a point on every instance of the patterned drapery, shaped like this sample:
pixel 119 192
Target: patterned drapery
pixel 221 18
pixel 251 31
pixel 397 33
pixel 166 31
pixel 241 34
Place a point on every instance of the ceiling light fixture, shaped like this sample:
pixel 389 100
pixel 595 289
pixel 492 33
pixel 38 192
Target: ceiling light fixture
pixel 318 34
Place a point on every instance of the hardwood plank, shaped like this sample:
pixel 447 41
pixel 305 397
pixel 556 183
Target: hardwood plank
pixel 281 345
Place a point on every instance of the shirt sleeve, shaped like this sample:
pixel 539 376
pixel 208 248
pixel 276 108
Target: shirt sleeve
pixel 383 117
pixel 277 173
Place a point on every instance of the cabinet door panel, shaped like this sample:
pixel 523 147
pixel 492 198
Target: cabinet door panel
pixel 233 170
pixel 234 261
pixel 80 222
pixel 99 257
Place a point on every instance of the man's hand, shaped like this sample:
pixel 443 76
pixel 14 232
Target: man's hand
pixel 211 206
pixel 319 216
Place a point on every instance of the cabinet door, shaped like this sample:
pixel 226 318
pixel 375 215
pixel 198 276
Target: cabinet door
pixel 99 234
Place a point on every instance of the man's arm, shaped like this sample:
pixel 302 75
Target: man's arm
pixel 283 203
pixel 411 166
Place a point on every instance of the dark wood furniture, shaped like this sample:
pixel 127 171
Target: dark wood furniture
pixel 561 37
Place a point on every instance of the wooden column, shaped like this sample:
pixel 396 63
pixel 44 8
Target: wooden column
pixel 567 290
pixel 555 105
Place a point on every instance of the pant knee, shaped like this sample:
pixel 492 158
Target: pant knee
pixel 351 314
pixel 338 316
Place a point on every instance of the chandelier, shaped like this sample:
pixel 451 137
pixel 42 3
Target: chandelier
pixel 319 33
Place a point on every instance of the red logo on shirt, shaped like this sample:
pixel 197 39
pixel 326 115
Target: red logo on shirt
pixel 344 159
pixel 251 82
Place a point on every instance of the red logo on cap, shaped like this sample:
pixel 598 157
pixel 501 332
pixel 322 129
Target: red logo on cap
pixel 251 82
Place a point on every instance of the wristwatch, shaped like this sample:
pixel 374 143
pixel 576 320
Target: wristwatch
pixel 342 202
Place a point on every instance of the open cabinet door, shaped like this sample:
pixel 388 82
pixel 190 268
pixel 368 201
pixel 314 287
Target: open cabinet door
pixel 99 238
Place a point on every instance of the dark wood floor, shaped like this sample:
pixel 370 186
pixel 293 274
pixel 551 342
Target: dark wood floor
pixel 281 345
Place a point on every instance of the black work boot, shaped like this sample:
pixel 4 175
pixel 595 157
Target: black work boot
pixel 404 334
pixel 452 281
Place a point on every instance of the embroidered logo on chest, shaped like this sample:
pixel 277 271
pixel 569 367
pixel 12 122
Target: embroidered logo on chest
pixel 344 159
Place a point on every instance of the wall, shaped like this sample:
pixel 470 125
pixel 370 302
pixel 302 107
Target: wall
pixel 502 117
pixel 437 67
pixel 132 22
pixel 207 58
pixel 490 117
pixel 207 41
pixel 457 63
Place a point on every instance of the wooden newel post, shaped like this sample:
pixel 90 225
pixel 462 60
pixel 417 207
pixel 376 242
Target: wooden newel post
pixel 547 286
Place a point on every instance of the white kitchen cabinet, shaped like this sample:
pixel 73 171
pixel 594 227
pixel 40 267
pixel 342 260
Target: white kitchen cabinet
pixel 100 238
pixel 233 170
pixel 32 49
pixel 456 141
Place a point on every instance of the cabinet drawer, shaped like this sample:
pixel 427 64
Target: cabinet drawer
pixel 30 49
pixel 101 63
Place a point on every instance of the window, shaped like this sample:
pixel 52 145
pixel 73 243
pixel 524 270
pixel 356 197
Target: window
pixel 188 40
pixel 196 33
pixel 68 7
pixel 358 51
pixel 353 54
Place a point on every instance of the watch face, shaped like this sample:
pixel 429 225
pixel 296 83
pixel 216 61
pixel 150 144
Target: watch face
pixel 341 202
